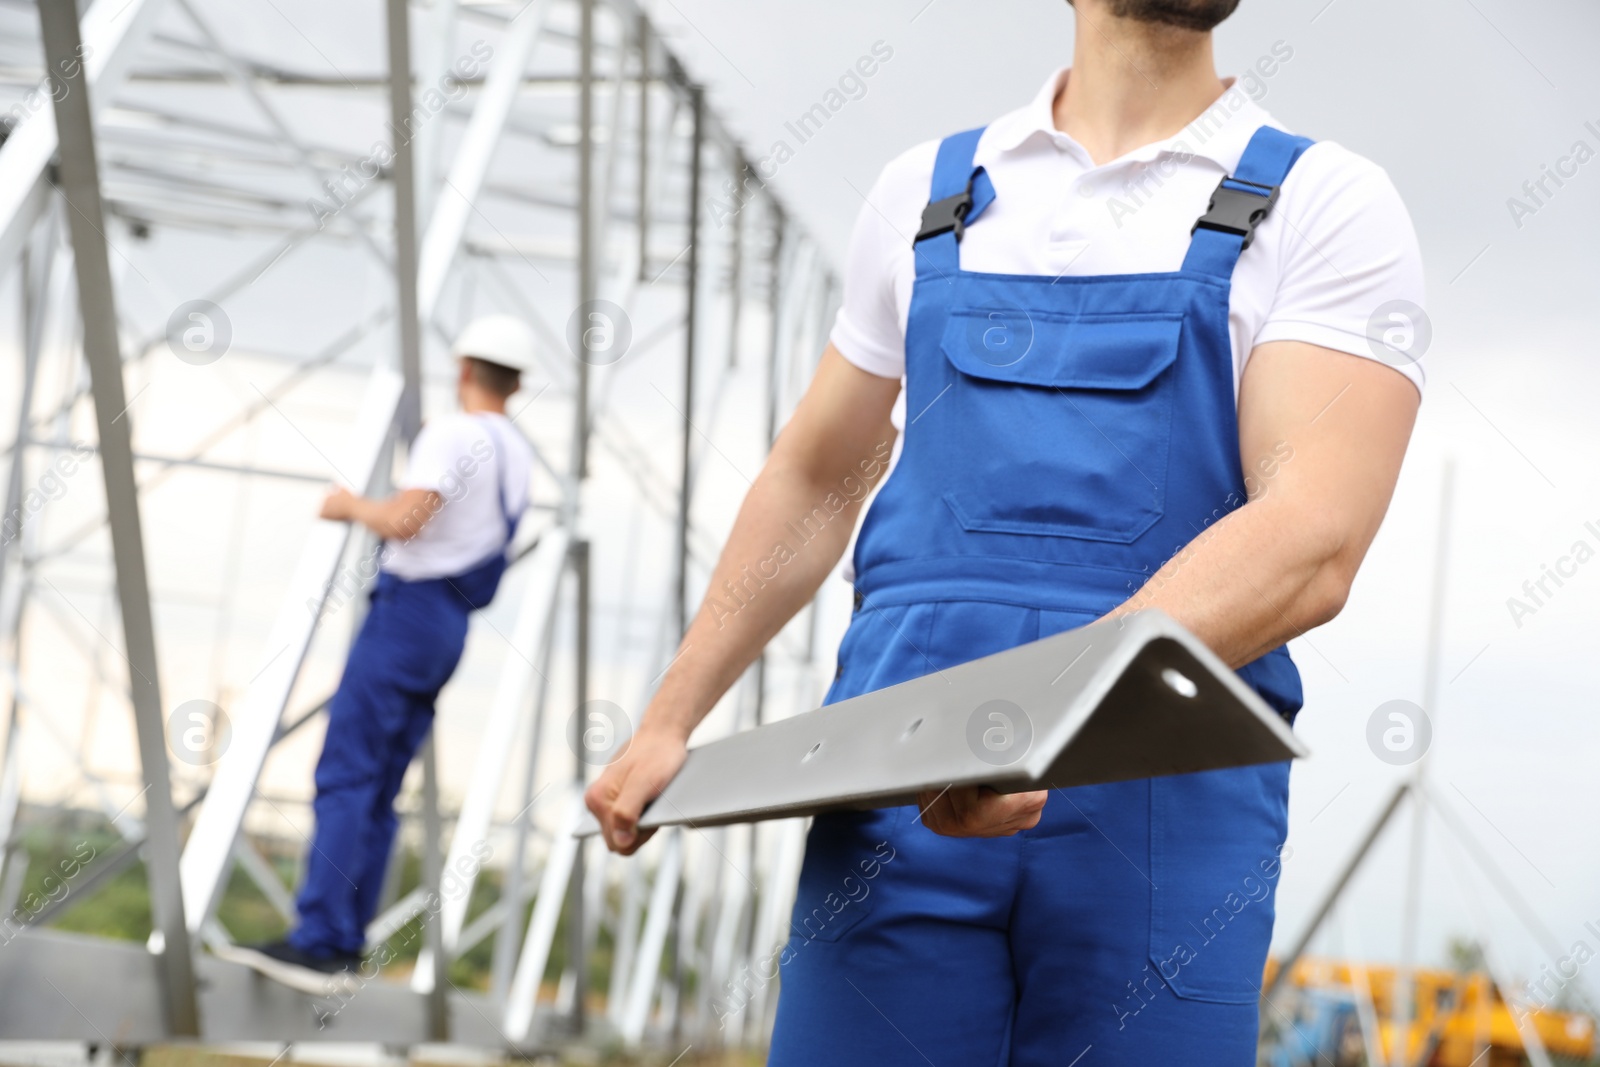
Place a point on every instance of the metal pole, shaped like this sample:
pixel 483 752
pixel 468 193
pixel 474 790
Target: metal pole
pixel 38 261
pixel 403 170
pixel 774 302
pixel 575 931
pixel 818 343
pixel 586 264
pixel 79 180
pixel 37 267
pixel 697 105
pixel 509 939
pixel 643 33
pixel 736 270
pixel 681 592
pixel 408 420
pixel 1403 984
pixel 432 876
pixel 1321 914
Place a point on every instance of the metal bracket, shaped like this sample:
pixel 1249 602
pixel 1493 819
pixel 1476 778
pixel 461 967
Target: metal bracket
pixel 1132 697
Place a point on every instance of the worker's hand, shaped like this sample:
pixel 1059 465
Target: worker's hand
pixel 978 811
pixel 619 795
pixel 338 505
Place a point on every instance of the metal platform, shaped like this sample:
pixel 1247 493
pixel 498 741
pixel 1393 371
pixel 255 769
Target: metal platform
pixel 68 987
pixel 1132 697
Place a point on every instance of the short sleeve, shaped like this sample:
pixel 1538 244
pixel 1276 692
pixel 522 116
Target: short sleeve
pixel 1351 277
pixel 432 459
pixel 867 331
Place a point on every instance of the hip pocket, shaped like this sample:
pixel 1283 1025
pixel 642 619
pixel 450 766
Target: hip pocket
pixel 883 646
pixel 845 853
pixel 1216 854
pixel 1066 421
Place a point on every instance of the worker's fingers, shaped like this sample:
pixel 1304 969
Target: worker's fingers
pixel 619 797
pixel 599 797
pixel 638 789
pixel 977 811
pixel 928 809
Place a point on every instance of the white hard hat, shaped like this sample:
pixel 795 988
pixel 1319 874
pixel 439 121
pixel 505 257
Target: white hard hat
pixel 502 339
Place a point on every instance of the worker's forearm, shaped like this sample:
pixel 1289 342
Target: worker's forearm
pixel 1254 579
pixel 395 519
pixel 785 542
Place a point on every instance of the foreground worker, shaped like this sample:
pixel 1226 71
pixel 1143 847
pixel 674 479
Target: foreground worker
pixel 1102 412
pixel 445 535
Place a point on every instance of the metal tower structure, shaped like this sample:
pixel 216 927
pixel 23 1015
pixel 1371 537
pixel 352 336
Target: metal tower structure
pixel 235 240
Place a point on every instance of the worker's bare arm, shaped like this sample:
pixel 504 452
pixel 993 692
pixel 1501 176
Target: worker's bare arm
pixel 398 518
pixel 1321 436
pixel 834 448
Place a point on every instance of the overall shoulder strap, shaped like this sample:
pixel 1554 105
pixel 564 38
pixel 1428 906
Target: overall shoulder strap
pixel 501 465
pixel 958 195
pixel 1241 201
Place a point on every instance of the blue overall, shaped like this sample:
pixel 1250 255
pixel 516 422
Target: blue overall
pixel 407 648
pixel 1065 438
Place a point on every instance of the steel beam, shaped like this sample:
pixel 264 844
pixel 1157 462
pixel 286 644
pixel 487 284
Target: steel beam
pixel 1403 1008
pixel 509 937
pixel 79 171
pixel 653 942
pixel 448 222
pixel 529 635
pixel 576 927
pixel 403 174
pixel 111 32
pixel 586 258
pixel 642 41
pixel 1331 897
pixel 691 337
pixel 1131 697
pixel 208 856
pixel 432 871
pixel 438 37
pixel 736 269
pixel 37 273
pixel 520 1004
pixel 772 921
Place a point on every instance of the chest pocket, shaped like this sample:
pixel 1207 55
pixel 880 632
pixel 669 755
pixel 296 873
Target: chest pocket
pixel 1064 423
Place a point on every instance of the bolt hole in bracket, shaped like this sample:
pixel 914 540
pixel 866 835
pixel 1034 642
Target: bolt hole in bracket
pixel 1179 683
pixel 1142 698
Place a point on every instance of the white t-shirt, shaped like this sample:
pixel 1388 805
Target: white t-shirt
pixel 1335 264
pixel 466 459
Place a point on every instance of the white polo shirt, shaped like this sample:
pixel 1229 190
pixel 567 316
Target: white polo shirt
pixel 1337 249
pixel 469 460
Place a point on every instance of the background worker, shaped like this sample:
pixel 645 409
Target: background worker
pixel 1097 402
pixel 445 534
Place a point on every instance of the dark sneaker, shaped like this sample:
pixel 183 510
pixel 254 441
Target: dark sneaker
pixel 283 963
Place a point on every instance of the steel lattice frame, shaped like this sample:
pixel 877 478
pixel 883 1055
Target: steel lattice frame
pixel 543 155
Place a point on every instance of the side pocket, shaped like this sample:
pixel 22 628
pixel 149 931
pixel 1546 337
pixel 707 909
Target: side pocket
pixel 1216 854
pixel 845 853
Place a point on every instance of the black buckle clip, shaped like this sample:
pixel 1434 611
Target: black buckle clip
pixel 943 216
pixel 1237 211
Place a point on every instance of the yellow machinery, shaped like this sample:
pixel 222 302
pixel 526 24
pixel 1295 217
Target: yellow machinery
pixel 1461 1019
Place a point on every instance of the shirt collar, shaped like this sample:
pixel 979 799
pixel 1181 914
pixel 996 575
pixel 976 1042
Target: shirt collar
pixel 1219 134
